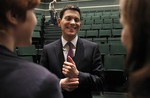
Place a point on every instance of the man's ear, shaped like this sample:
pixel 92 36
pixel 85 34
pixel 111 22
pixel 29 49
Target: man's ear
pixel 11 18
pixel 58 22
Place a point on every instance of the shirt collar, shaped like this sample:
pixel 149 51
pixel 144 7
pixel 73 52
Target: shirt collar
pixel 74 41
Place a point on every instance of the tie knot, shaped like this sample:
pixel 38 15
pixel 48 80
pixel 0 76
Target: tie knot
pixel 69 44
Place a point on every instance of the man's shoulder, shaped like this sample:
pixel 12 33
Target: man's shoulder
pixel 87 41
pixel 52 43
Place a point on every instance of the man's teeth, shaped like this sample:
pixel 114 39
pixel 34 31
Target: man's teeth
pixel 71 27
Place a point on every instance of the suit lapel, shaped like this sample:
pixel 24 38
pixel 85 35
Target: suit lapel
pixel 79 52
pixel 59 53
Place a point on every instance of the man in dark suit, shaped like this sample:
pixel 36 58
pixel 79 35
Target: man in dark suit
pixel 79 73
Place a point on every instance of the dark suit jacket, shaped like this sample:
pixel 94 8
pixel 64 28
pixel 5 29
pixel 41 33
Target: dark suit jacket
pixel 88 62
pixel 23 79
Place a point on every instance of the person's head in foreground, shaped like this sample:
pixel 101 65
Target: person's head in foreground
pixel 135 19
pixel 17 22
pixel 136 31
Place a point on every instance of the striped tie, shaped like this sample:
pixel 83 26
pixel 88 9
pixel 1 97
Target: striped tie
pixel 70 51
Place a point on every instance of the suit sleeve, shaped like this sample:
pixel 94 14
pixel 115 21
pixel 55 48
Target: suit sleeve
pixel 94 79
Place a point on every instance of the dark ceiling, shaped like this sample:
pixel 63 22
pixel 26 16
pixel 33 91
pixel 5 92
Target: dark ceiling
pixel 49 0
pixel 58 0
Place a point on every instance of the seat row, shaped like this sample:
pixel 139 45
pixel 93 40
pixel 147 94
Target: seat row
pixel 97 20
pixel 101 17
pixel 115 55
pixel 99 33
pixel 30 53
pixel 101 26
pixel 100 12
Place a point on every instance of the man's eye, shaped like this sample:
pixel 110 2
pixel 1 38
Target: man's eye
pixel 68 19
pixel 77 20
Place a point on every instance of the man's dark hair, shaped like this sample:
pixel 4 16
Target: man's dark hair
pixel 69 7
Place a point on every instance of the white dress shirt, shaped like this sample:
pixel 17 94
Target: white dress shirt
pixel 66 47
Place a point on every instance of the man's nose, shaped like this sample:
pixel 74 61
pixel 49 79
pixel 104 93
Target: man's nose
pixel 72 21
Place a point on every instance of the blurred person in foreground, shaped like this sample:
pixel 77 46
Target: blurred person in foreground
pixel 135 18
pixel 20 78
pixel 79 73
